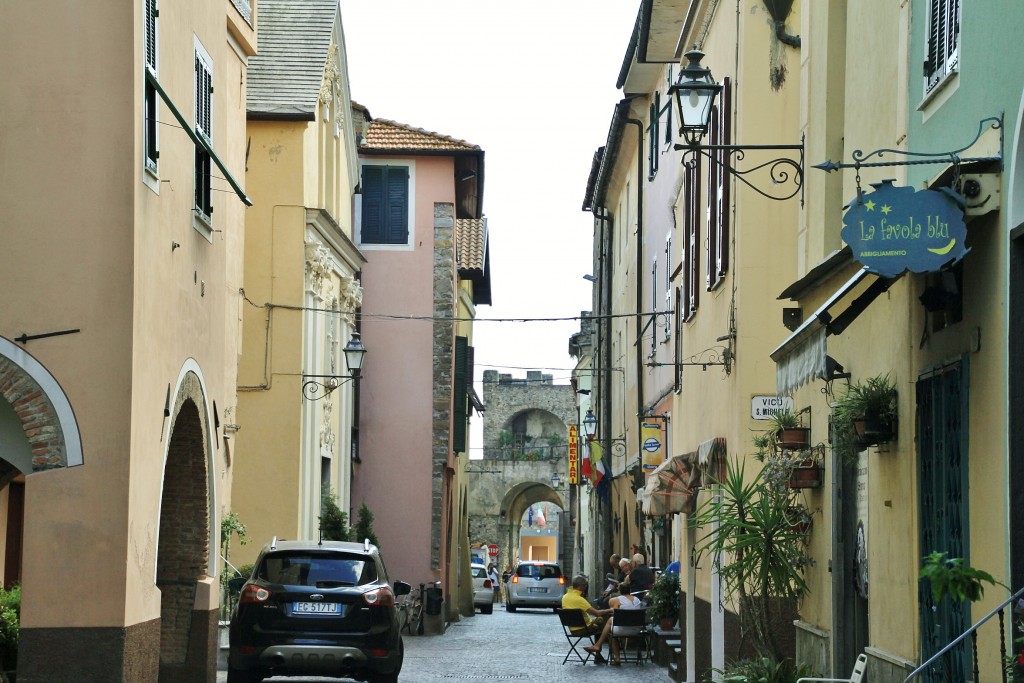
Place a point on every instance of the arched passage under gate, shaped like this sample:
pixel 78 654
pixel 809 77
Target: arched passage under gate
pixel 518 499
pixel 184 564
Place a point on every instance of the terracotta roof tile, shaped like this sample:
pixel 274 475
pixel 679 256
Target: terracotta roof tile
pixel 471 236
pixel 385 135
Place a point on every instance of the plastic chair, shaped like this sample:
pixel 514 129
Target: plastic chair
pixel 858 673
pixel 573 619
pixel 629 618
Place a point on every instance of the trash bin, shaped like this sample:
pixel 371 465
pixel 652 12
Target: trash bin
pixel 435 598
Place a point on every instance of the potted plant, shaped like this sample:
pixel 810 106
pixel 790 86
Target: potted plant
pixel 867 413
pixel 663 600
pixel 788 433
pixel 805 471
pixel 749 523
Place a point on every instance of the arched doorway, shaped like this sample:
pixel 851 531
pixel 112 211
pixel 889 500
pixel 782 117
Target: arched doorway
pixel 187 631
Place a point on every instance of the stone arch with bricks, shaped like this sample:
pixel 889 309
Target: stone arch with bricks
pixel 40 406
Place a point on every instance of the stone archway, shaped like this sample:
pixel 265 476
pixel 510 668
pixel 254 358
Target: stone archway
pixel 187 631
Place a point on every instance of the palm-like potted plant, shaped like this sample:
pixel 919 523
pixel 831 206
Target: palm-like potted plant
pixel 663 600
pixel 867 413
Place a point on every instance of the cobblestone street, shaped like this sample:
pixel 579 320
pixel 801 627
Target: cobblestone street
pixel 525 646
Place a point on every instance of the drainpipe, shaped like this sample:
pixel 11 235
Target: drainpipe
pixel 639 290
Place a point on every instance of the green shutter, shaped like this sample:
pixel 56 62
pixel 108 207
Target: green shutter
pixel 397 205
pixel 373 207
pixel 460 396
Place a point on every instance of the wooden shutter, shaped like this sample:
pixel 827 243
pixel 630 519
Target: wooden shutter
pixel 724 185
pixel 373 204
pixel 652 138
pixel 943 40
pixel 397 213
pixel 460 395
pixel 691 236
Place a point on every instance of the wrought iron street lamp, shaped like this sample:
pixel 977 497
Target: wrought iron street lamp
pixel 316 387
pixel 695 93
pixel 556 481
pixel 590 425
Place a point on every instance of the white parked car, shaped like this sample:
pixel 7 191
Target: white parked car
pixel 535 584
pixel 483 589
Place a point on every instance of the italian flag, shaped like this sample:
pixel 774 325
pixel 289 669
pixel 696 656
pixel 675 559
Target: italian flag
pixel 585 471
pixel 596 463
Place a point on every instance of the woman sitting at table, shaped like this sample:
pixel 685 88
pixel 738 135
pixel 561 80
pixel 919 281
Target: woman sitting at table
pixel 622 601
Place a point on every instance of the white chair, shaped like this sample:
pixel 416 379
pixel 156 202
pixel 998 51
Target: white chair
pixel 858 673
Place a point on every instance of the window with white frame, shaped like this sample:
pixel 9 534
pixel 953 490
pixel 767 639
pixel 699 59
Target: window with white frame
pixel 149 90
pixel 943 42
pixel 204 128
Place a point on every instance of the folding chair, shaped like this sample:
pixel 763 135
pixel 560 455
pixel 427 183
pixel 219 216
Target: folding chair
pixel 622 618
pixel 858 673
pixel 573 618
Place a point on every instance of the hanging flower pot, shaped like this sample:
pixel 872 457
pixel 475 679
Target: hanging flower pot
pixel 788 433
pixel 872 429
pixel 806 475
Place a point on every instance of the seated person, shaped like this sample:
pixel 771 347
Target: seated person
pixel 576 598
pixel 622 601
pixel 672 568
pixel 642 577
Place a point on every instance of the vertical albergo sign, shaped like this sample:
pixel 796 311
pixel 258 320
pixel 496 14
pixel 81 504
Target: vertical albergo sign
pixel 895 229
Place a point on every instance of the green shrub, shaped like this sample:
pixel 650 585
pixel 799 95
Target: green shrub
pixel 333 520
pixel 364 526
pixel 765 669
pixel 10 618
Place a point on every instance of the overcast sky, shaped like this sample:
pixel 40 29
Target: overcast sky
pixel 532 83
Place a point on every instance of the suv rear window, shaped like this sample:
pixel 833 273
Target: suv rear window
pixel 539 571
pixel 478 572
pixel 317 569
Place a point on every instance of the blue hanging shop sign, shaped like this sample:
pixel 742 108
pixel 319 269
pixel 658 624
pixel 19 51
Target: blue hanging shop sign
pixel 894 229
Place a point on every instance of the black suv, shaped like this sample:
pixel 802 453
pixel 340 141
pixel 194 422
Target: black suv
pixel 316 609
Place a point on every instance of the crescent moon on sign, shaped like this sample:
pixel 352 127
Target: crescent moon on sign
pixel 946 249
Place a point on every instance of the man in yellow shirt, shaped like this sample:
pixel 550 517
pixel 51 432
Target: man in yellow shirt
pixel 575 598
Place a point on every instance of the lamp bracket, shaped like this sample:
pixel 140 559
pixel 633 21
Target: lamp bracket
pixel 315 387
pixel 783 171
pixel 860 159
pixel 714 356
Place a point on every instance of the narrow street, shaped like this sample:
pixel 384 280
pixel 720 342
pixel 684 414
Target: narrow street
pixel 525 646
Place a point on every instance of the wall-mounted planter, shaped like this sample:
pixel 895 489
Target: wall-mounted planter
pixel 806 476
pixel 794 438
pixel 871 431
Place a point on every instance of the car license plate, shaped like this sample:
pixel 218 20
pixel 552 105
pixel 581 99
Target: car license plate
pixel 538 590
pixel 317 608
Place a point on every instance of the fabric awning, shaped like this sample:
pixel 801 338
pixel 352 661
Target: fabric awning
pixel 801 357
pixel 671 486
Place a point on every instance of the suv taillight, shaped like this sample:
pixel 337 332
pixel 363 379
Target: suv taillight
pixel 253 593
pixel 515 578
pixel 381 597
pixel 488 584
pixel 561 580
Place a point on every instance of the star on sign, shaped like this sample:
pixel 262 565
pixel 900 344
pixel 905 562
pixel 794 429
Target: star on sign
pixel 886 209
pixel 870 205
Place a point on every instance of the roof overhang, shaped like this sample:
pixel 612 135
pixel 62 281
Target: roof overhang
pixel 655 41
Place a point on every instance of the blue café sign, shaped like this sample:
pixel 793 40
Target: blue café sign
pixel 894 229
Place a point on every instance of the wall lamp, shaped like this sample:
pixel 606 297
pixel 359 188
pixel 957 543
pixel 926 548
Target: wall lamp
pixel 316 387
pixel 590 425
pixel 556 481
pixel 695 93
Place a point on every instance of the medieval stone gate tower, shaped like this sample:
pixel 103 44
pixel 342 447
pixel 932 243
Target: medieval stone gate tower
pixel 525 443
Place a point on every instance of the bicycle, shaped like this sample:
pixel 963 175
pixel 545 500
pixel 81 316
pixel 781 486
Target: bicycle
pixel 410 612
